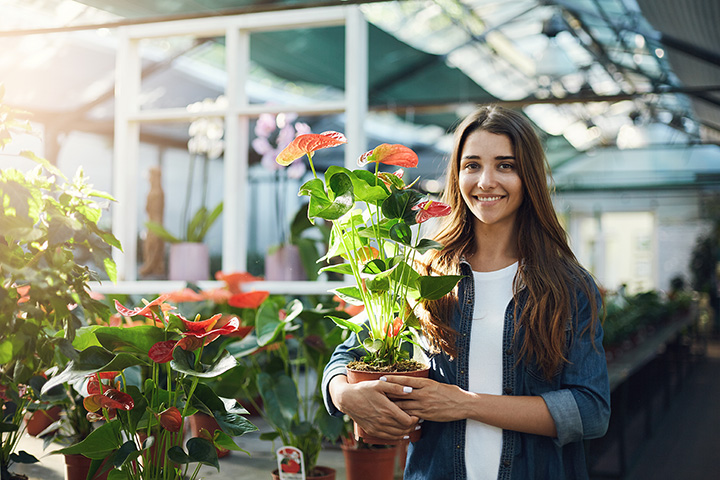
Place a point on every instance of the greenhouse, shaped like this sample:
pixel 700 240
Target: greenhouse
pixel 193 231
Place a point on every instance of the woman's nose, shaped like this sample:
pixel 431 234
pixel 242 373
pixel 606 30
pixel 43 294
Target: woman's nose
pixel 487 180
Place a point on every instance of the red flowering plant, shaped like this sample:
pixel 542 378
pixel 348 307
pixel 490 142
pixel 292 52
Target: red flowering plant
pixel 143 381
pixel 374 216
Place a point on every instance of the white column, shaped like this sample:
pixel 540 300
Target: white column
pixel 356 84
pixel 237 144
pixel 125 155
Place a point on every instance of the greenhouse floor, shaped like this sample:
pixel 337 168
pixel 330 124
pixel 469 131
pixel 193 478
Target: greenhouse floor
pixel 684 445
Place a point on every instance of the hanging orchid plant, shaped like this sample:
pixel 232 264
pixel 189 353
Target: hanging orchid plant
pixel 374 216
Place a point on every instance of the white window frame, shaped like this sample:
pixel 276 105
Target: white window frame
pixel 236 30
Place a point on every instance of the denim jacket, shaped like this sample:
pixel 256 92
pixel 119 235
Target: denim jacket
pixel 577 396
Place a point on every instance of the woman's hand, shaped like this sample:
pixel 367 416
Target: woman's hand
pixel 431 400
pixel 442 402
pixel 367 403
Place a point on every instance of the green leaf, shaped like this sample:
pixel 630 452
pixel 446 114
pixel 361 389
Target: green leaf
pixel 280 398
pixel 138 339
pixel 346 323
pixel 436 287
pixel 181 363
pixel 23 457
pixel 344 268
pixel 342 199
pixel 350 295
pixel 425 244
pixel 161 232
pixel 400 232
pixel 268 325
pixel 99 444
pixel 374 267
pixel 110 269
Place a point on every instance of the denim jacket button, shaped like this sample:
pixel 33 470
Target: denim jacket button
pixel 509 351
pixel 506 463
pixel 507 390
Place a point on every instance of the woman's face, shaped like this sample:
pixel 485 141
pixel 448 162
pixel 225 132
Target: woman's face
pixel 488 177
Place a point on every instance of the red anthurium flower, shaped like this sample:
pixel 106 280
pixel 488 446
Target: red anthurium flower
pixel 398 155
pixel 219 296
pixel 429 209
pixel 307 144
pixel 248 299
pixel 145 311
pixel 189 343
pixel 162 352
pixel 111 399
pixel 200 326
pixel 171 419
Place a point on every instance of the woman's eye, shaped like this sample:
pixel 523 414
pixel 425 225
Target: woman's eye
pixel 506 166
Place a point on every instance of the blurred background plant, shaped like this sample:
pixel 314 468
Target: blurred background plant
pixel 48 222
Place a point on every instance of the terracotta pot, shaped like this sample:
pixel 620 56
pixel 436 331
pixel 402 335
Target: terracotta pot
pixel 369 463
pixel 356 376
pixel 201 420
pixel 77 467
pixel 41 419
pixel 189 262
pixel 322 473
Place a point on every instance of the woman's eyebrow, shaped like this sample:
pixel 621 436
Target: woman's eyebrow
pixel 499 157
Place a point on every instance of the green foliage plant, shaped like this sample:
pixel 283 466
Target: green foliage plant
pixel 374 217
pixel 47 223
pixel 282 360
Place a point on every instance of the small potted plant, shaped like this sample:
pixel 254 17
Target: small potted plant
pixel 189 258
pixel 143 381
pixel 381 246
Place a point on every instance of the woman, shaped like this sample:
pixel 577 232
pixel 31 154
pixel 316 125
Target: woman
pixel 519 377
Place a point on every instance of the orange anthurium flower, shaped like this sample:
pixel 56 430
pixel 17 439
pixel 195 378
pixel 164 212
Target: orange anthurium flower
pixel 365 254
pixel 219 296
pixel 395 327
pixel 23 292
pixel 430 209
pixel 248 299
pixel 171 419
pixel 398 155
pixel 307 144
pixel 207 330
pixel 185 295
pixel 235 280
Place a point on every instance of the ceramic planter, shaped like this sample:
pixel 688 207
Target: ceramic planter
pixel 189 262
pixel 366 463
pixel 321 473
pixel 356 376
pixel 284 265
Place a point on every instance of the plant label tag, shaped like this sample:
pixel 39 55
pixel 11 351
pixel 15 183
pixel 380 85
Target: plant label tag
pixel 290 463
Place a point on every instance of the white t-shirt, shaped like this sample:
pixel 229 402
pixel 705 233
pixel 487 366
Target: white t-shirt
pixel 493 292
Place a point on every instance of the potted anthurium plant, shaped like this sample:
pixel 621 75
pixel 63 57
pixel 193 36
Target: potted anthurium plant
pixel 283 359
pixel 380 245
pixel 143 381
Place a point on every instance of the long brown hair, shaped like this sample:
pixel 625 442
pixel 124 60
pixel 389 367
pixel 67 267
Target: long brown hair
pixel 549 272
